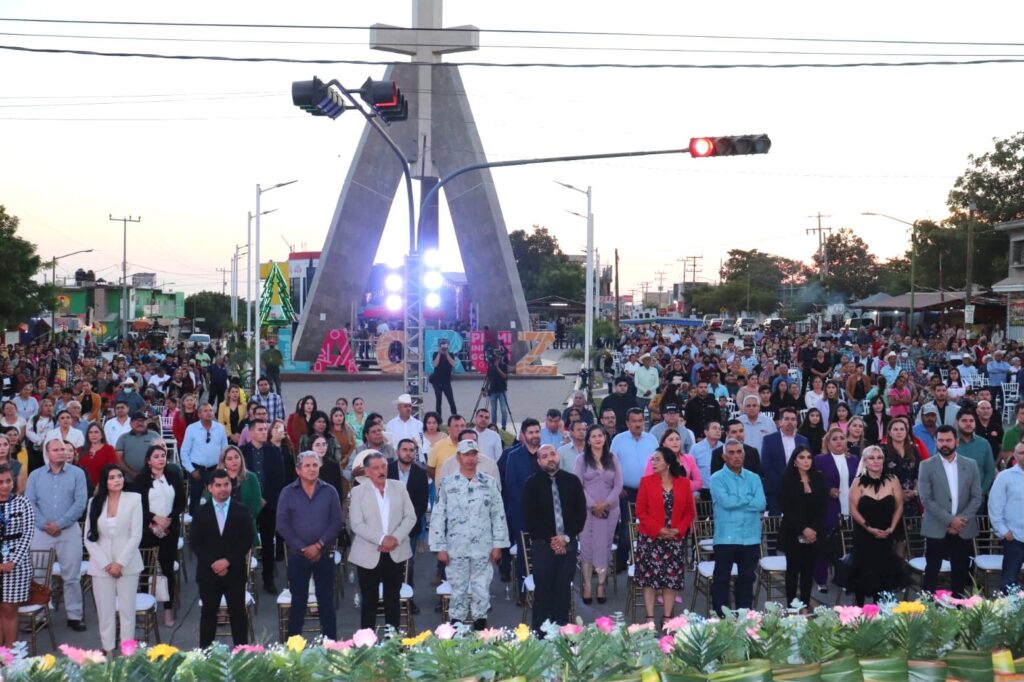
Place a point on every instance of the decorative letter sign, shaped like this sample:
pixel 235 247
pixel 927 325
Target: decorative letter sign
pixel 336 339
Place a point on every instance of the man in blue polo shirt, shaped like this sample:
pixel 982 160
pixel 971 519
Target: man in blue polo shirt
pixel 633 448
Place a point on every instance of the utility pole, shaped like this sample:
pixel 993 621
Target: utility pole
pixel 971 208
pixel 124 271
pixel 661 280
pixel 690 263
pixel 224 282
pixel 617 292
pixel 822 242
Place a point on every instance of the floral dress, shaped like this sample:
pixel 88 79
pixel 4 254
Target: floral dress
pixel 661 564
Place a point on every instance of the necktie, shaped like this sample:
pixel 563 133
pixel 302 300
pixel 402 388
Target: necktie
pixel 559 523
pixel 220 516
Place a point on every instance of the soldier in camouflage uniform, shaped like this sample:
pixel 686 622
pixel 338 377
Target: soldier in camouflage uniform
pixel 468 531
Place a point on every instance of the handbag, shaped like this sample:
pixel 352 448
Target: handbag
pixel 160 589
pixel 38 594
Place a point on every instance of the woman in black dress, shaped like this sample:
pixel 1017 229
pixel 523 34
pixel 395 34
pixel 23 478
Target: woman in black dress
pixel 876 505
pixel 876 421
pixel 813 430
pixel 802 533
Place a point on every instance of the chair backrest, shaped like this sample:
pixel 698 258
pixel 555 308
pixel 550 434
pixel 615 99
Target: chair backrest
pixel 42 565
pixel 634 531
pixel 770 526
pixel 1011 390
pixel 150 570
pixel 524 537
pixel 703 529
pixel 845 530
pixel 986 542
pixel 705 509
pixel 915 541
pixel 631 509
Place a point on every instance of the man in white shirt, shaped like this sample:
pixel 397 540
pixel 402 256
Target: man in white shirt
pixel 118 425
pixel 404 425
pixel 756 424
pixel 486 437
pixel 25 403
pixel 159 379
pixel 646 380
pixel 573 450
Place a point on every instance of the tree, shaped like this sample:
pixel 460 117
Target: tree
pixel 20 295
pixel 994 182
pixel 543 269
pixel 751 281
pixel 852 268
pixel 214 307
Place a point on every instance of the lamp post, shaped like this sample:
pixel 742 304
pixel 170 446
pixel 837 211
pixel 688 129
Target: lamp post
pixel 53 278
pixel 913 261
pixel 588 323
pixel 256 312
pixel 248 276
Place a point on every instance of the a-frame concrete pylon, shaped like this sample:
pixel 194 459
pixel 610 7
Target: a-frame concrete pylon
pixel 450 135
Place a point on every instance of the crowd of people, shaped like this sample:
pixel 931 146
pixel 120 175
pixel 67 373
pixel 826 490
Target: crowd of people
pixel 808 435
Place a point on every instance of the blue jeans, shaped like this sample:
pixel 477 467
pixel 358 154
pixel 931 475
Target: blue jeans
pixel 299 571
pixel 1013 559
pixel 745 557
pixel 499 398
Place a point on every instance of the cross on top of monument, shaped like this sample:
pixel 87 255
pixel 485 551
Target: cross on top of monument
pixel 427 40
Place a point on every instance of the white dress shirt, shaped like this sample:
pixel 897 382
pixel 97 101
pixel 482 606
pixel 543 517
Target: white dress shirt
pixel 161 497
pixel 844 483
pixel 788 445
pixel 490 443
pixel 412 429
pixel 384 507
pixel 953 477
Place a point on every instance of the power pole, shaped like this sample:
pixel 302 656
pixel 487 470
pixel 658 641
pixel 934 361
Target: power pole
pixel 969 268
pixel 822 242
pixel 690 263
pixel 224 282
pixel 617 292
pixel 124 271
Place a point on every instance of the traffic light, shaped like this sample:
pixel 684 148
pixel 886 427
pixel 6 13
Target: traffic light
pixel 386 99
pixel 316 98
pixel 731 145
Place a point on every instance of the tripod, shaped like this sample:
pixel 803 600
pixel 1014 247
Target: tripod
pixel 484 394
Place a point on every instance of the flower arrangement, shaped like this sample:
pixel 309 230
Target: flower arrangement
pixel 933 638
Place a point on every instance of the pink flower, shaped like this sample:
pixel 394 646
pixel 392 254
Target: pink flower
pixel 637 627
pixel 677 623
pixel 943 596
pixel 332 645
pixel 605 624
pixel 667 643
pixel 364 637
pixel 6 657
pixel 968 603
pixel 870 611
pixel 487 634
pixel 129 647
pixel 752 633
pixel 848 614
pixel 256 648
pixel 571 629
pixel 754 616
pixel 444 631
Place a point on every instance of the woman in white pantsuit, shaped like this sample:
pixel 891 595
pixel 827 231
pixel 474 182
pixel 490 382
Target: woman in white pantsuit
pixel 113 531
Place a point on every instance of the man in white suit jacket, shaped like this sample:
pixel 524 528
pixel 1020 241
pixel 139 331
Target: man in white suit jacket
pixel 381 516
pixel 114 558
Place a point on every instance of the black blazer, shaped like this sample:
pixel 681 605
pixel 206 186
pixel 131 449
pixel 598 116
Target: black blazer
pixel 539 507
pixel 751 459
pixel 800 511
pixel 209 545
pixel 272 479
pixel 418 488
pixel 871 434
pixel 142 485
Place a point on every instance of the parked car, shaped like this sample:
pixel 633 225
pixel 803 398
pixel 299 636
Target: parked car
pixel 773 323
pixel 744 324
pixel 715 324
pixel 728 324
pixel 203 339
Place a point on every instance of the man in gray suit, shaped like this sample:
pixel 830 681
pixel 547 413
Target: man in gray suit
pixel 381 516
pixel 950 489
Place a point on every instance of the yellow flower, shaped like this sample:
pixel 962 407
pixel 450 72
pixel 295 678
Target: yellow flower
pixel 296 643
pixel 161 652
pixel 46 662
pixel 522 632
pixel 649 674
pixel 417 640
pixel 909 607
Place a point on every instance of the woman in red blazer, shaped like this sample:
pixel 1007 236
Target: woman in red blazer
pixel 664 511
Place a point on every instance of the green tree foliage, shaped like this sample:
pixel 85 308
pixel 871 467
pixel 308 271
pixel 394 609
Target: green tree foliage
pixel 20 295
pixel 994 181
pixel 852 269
pixel 215 307
pixel 750 282
pixel 543 269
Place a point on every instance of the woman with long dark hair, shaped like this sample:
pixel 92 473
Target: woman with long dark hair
pixel 781 397
pixel 802 533
pixel 113 531
pixel 876 421
pixel 162 487
pixel 599 471
pixel 813 429
pixel 319 425
pixel 188 414
pixel 96 453
pixel 665 510
pixel 357 418
pixel 827 405
pixel 299 421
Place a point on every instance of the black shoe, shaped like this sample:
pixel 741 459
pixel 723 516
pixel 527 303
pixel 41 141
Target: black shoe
pixel 270 587
pixel 412 607
pixel 76 625
pixel 480 624
pixel 506 577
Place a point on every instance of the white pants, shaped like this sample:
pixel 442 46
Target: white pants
pixel 115 596
pixel 68 546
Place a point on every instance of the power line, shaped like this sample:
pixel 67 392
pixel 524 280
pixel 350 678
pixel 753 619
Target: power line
pixel 620 34
pixel 506 65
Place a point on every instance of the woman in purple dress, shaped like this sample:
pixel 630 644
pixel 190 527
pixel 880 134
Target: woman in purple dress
pixel 601 475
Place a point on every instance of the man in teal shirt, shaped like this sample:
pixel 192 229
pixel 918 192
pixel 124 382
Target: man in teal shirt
pixel 738 500
pixel 975 448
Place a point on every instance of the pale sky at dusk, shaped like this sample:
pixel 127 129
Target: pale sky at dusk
pixel 183 143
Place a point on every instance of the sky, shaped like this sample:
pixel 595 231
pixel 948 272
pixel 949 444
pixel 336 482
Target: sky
pixel 183 143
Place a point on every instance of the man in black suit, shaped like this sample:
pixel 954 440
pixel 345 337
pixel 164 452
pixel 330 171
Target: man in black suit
pixel 751 456
pixel 221 537
pixel 555 510
pixel 416 484
pixel 266 460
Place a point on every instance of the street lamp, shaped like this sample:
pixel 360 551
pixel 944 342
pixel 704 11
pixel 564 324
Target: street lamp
pixel 913 260
pixel 248 277
pixel 53 278
pixel 588 324
pixel 256 315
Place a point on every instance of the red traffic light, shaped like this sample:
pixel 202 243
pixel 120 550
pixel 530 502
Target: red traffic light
pixel 701 147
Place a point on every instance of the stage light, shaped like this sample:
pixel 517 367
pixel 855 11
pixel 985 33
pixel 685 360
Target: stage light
pixel 393 282
pixel 432 258
pixel 433 300
pixel 433 280
pixel 393 302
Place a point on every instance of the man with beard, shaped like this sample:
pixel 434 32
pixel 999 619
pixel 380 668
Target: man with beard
pixel 516 466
